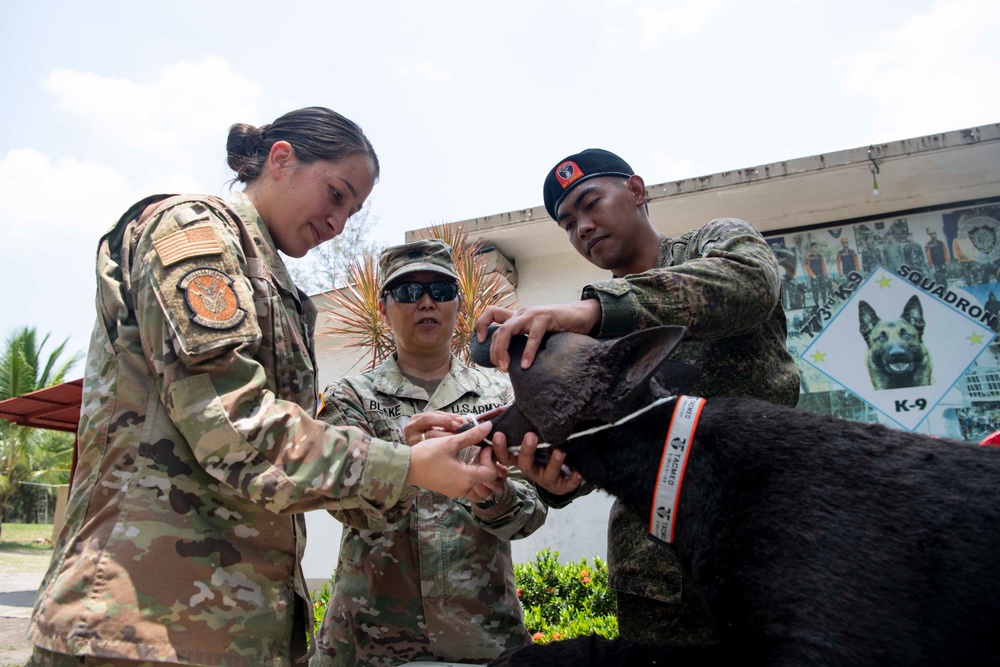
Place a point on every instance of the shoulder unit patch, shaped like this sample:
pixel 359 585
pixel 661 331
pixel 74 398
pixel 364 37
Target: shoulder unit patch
pixel 210 296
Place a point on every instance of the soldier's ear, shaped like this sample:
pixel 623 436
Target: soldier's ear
pixel 382 312
pixel 280 157
pixel 637 187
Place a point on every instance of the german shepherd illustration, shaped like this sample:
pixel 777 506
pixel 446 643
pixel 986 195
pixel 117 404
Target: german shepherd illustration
pixel 813 540
pixel 896 357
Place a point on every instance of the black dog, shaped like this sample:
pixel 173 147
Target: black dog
pixel 813 540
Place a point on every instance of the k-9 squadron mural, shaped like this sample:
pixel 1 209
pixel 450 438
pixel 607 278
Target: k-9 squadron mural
pixel 896 320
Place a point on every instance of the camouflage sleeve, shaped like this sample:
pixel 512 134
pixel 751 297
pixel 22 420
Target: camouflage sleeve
pixel 725 284
pixel 559 502
pixel 518 513
pixel 222 400
pixel 342 406
pixel 519 510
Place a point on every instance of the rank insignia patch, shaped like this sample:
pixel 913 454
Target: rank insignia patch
pixel 210 296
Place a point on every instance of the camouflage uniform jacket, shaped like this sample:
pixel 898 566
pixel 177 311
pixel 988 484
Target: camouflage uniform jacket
pixel 723 283
pixel 437 582
pixel 198 449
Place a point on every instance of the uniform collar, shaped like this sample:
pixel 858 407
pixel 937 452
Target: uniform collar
pixel 258 230
pixel 460 380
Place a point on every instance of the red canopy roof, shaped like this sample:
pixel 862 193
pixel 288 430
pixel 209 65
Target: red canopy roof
pixel 56 408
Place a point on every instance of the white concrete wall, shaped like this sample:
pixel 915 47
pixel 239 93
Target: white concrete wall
pixel 577 531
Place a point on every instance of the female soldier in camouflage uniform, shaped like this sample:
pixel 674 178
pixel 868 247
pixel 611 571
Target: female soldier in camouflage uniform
pixel 198 447
pixel 437 583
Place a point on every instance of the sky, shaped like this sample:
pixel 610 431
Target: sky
pixel 468 104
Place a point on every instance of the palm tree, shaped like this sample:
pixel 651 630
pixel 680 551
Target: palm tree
pixel 354 308
pixel 28 454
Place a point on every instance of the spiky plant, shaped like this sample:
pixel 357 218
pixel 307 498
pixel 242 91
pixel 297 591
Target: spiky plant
pixel 354 309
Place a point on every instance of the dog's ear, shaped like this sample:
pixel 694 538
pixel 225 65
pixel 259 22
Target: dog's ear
pixel 673 379
pixel 913 313
pixel 866 316
pixel 638 356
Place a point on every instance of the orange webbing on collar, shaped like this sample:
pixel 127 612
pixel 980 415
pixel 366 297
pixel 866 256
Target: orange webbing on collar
pixel 676 448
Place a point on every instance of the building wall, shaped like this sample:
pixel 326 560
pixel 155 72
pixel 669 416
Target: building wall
pixel 796 200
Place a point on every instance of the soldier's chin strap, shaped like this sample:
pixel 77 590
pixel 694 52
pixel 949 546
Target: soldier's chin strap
pixel 676 448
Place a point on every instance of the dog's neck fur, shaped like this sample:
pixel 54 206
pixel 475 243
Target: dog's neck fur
pixel 623 460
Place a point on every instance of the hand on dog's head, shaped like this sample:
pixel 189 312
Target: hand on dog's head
pixel 577 381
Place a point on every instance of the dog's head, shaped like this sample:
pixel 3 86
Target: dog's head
pixel 576 381
pixel 894 346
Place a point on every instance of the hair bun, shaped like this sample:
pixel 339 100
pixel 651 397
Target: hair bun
pixel 243 144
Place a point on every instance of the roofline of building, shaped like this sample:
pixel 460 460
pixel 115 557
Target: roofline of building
pixel 849 158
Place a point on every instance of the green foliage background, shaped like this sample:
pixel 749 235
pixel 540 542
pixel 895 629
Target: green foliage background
pixel 559 601
pixel 563 601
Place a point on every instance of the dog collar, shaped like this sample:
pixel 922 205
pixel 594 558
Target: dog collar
pixel 676 448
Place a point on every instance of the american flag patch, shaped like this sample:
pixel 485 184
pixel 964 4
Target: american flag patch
pixel 186 243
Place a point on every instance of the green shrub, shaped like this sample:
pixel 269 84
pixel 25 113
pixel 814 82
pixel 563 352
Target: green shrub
pixel 563 601
pixel 320 599
pixel 559 601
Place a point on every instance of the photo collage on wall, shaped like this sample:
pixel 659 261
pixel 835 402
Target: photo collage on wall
pixel 896 320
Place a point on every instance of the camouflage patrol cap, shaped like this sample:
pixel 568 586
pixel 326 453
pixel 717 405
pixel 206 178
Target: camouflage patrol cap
pixel 424 255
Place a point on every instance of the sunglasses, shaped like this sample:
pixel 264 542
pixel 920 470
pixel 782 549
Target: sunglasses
pixel 440 290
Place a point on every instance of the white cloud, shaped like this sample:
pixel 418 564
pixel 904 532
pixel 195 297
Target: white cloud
pixel 425 71
pixel 57 196
pixel 54 209
pixel 681 19
pixel 52 214
pixel 188 104
pixel 936 72
pixel 68 196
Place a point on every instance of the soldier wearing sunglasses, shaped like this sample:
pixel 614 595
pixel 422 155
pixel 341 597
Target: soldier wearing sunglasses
pixel 443 584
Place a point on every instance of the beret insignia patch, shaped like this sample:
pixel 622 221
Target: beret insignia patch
pixel 210 296
pixel 567 173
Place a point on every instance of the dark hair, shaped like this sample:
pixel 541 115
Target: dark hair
pixel 315 133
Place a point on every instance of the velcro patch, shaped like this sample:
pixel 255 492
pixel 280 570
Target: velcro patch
pixel 210 296
pixel 186 243
pixel 195 212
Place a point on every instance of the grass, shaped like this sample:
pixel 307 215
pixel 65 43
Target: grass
pixel 25 547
